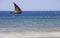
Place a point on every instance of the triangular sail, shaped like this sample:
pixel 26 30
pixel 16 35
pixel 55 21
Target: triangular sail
pixel 17 10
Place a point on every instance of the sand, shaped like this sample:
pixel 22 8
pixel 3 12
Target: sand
pixel 29 34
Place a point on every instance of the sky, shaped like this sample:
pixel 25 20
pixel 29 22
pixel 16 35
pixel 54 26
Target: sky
pixel 31 5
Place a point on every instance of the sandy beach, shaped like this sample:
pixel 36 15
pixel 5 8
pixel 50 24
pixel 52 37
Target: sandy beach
pixel 29 34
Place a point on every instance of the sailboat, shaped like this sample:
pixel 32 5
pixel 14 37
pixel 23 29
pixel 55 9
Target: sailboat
pixel 17 10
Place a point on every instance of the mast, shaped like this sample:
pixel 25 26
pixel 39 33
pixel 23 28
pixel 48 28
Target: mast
pixel 17 10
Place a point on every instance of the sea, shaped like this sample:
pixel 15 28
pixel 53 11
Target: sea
pixel 33 24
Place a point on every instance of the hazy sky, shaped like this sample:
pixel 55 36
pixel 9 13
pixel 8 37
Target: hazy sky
pixel 30 5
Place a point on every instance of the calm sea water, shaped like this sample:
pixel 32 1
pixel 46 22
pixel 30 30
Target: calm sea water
pixel 30 20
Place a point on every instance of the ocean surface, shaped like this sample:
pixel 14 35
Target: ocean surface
pixel 31 22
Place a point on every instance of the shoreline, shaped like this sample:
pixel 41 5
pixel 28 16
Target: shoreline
pixel 29 34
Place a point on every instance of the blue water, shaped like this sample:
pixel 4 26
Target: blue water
pixel 30 20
